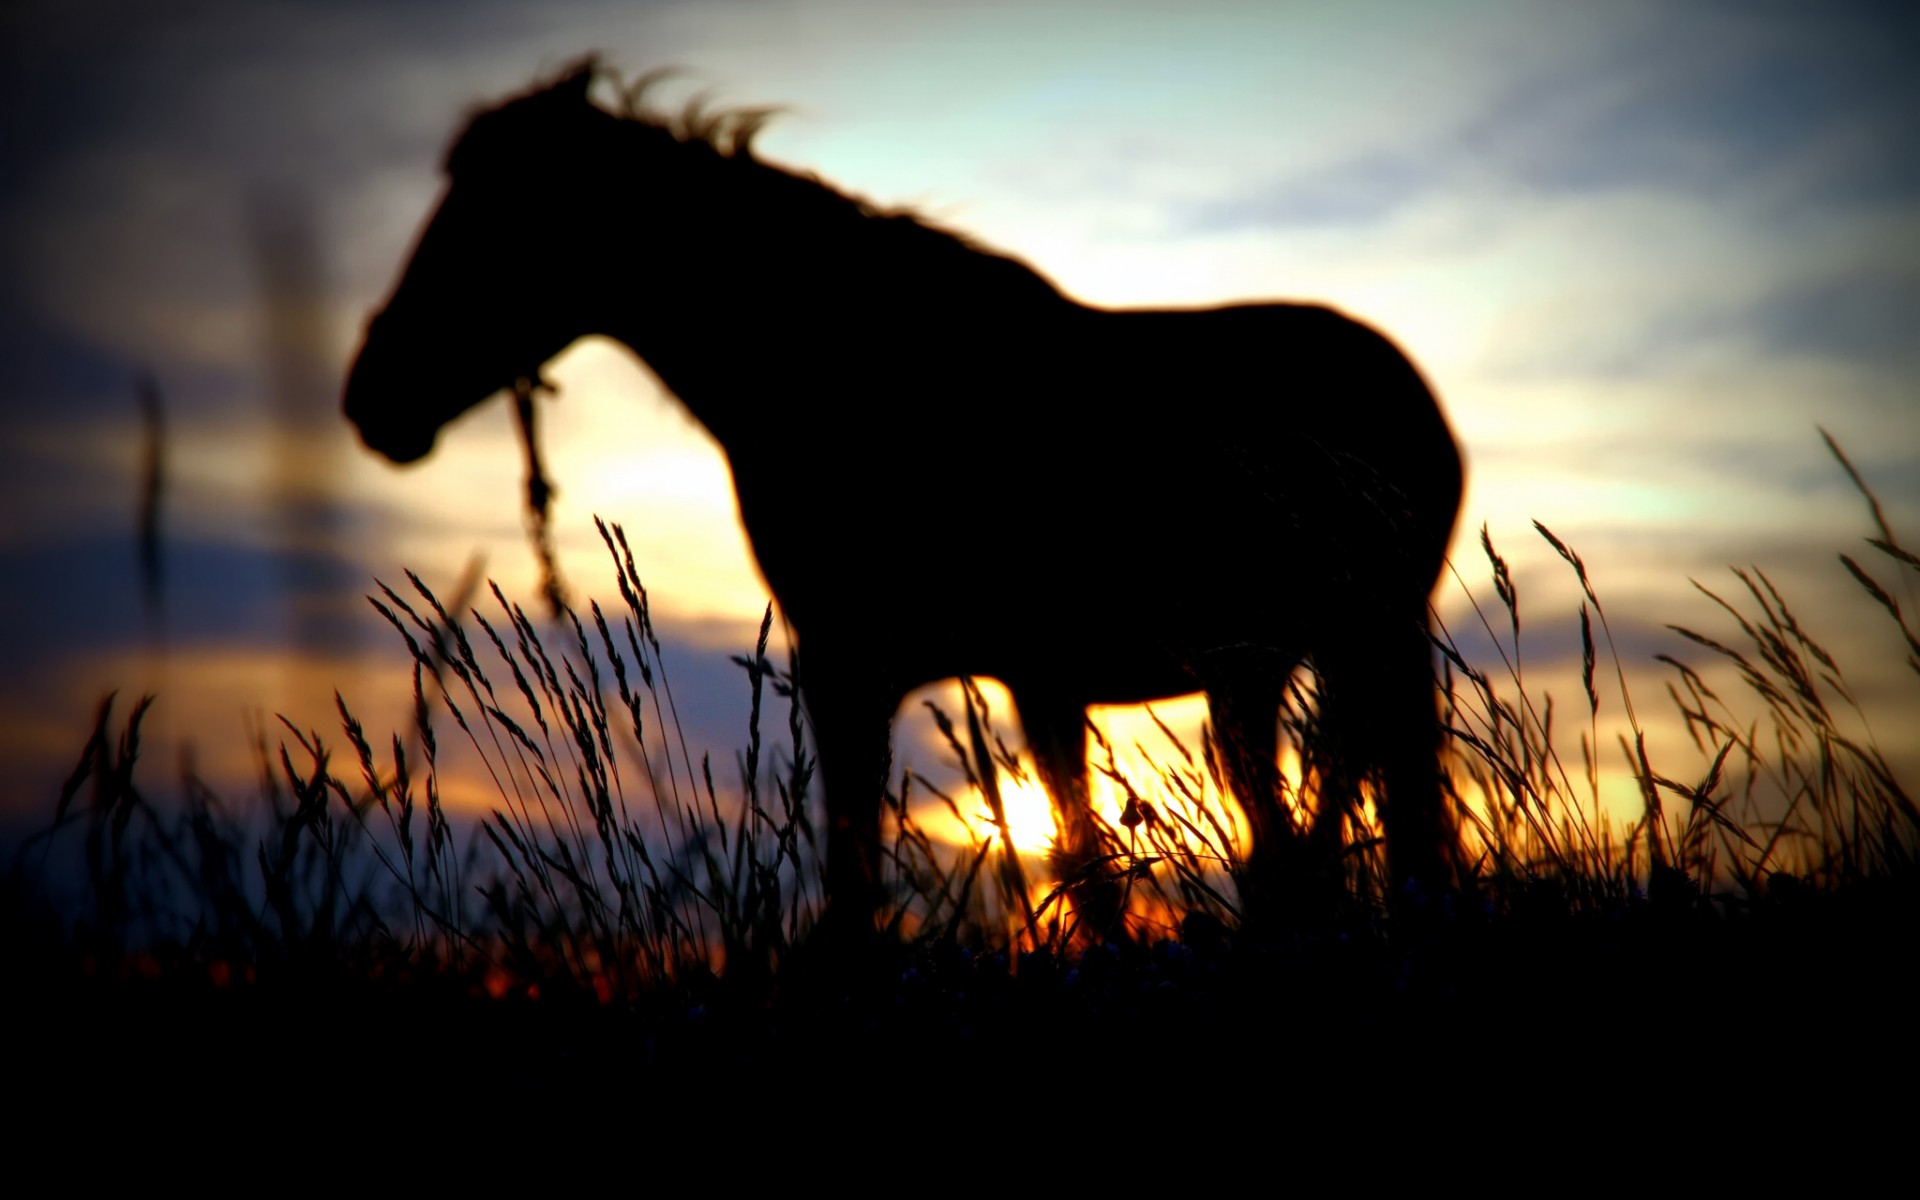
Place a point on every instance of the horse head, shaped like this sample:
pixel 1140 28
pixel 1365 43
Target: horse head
pixel 498 281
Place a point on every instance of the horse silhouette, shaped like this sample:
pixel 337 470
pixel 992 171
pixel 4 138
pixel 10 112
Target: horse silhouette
pixel 1165 501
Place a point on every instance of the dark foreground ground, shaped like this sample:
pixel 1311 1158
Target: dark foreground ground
pixel 1800 1002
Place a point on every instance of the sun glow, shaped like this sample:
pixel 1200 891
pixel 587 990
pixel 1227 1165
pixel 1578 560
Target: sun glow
pixel 1029 812
pixel 1151 753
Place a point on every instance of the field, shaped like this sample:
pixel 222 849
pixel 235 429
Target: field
pixel 622 928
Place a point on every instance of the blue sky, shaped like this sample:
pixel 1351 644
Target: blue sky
pixel 1642 250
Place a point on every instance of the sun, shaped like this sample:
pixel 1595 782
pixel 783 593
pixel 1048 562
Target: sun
pixel 1029 813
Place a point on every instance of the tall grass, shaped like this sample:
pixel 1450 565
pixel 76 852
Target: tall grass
pixel 615 866
pixel 1796 792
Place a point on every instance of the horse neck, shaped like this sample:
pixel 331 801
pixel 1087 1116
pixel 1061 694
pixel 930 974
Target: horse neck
pixel 785 298
pixel 718 349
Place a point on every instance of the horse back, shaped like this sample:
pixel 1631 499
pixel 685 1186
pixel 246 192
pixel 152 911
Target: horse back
pixel 1058 458
pixel 1276 373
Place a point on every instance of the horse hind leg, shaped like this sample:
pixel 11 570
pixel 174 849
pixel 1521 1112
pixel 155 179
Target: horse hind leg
pixel 1056 729
pixel 1381 718
pixel 1420 838
pixel 1244 696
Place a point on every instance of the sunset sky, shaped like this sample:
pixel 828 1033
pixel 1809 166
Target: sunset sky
pixel 1641 250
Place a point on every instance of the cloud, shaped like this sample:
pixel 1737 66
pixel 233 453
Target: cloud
pixel 1360 191
pixel 216 591
pixel 1784 108
pixel 1713 99
pixel 1862 319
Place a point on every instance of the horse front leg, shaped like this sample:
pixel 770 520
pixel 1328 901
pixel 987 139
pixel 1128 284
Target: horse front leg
pixel 1056 729
pixel 850 707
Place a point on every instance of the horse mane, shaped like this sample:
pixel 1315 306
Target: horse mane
pixel 717 143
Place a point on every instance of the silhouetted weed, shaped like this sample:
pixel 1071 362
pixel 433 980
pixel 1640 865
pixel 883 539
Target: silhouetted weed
pixel 621 913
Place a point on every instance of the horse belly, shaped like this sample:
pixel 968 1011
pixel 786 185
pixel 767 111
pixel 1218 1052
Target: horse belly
pixel 1109 639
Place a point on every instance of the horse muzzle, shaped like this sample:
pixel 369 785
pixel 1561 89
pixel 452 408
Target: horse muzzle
pixel 397 448
pixel 378 412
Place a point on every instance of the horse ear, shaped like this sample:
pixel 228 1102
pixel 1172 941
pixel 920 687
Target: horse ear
pixel 577 80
